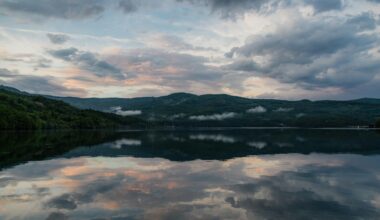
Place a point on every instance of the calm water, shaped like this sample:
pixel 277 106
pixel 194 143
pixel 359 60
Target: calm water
pixel 224 174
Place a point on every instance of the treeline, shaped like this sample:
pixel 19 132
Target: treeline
pixel 20 147
pixel 27 112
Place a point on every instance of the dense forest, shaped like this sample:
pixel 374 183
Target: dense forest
pixel 26 112
pixel 189 110
pixel 23 111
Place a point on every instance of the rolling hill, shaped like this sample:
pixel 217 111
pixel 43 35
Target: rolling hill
pixel 21 111
pixel 189 110
pixel 183 109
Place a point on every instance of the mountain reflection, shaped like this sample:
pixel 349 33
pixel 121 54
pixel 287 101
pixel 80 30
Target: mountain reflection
pixel 183 145
pixel 256 187
pixel 224 174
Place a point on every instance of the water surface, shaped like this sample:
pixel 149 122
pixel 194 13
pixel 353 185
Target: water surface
pixel 223 174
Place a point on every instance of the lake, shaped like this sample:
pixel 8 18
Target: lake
pixel 198 174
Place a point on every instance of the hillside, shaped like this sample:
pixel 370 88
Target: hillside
pixel 189 110
pixel 22 111
pixel 182 109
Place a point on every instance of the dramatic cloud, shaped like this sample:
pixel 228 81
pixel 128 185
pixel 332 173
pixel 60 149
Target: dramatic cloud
pixel 54 8
pixel 234 8
pixel 37 84
pixel 57 216
pixel 325 5
pixel 128 6
pixel 85 9
pixel 288 49
pixel 178 71
pixel 43 85
pixel 176 43
pixel 88 61
pixel 252 187
pixel 214 117
pixel 317 53
pixel 58 38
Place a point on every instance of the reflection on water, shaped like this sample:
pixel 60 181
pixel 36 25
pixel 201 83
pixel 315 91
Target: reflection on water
pixel 191 175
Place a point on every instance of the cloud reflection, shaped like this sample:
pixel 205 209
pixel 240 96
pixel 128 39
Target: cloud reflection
pixel 257 187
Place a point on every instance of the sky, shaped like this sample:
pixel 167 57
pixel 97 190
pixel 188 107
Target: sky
pixel 281 49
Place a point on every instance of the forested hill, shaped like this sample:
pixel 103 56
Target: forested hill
pixel 23 112
pixel 19 110
pixel 189 110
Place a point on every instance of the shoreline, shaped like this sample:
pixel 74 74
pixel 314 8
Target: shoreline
pixel 195 129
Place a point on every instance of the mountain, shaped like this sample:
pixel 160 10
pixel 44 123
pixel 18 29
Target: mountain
pixel 22 111
pixel 183 109
pixel 189 110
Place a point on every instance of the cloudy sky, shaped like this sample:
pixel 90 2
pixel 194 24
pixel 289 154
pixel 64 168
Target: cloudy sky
pixel 286 49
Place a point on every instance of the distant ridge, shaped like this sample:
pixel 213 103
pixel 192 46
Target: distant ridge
pixel 221 110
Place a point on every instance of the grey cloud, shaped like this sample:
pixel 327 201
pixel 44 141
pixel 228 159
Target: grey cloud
pixel 71 201
pixel 325 5
pixel 58 38
pixel 364 21
pixel 64 54
pixel 54 8
pixel 177 43
pixel 42 63
pixel 131 6
pixel 84 9
pixel 214 117
pixel 306 194
pixel 57 216
pixel 320 53
pixel 128 6
pixel 37 84
pixel 6 73
pixel 314 187
pixel 66 201
pixel 177 71
pixel 43 85
pixel 234 8
pixel 36 60
pixel 70 10
pixel 88 61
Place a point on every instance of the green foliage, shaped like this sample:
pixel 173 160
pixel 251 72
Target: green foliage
pixel 303 113
pixel 20 110
pixel 27 112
